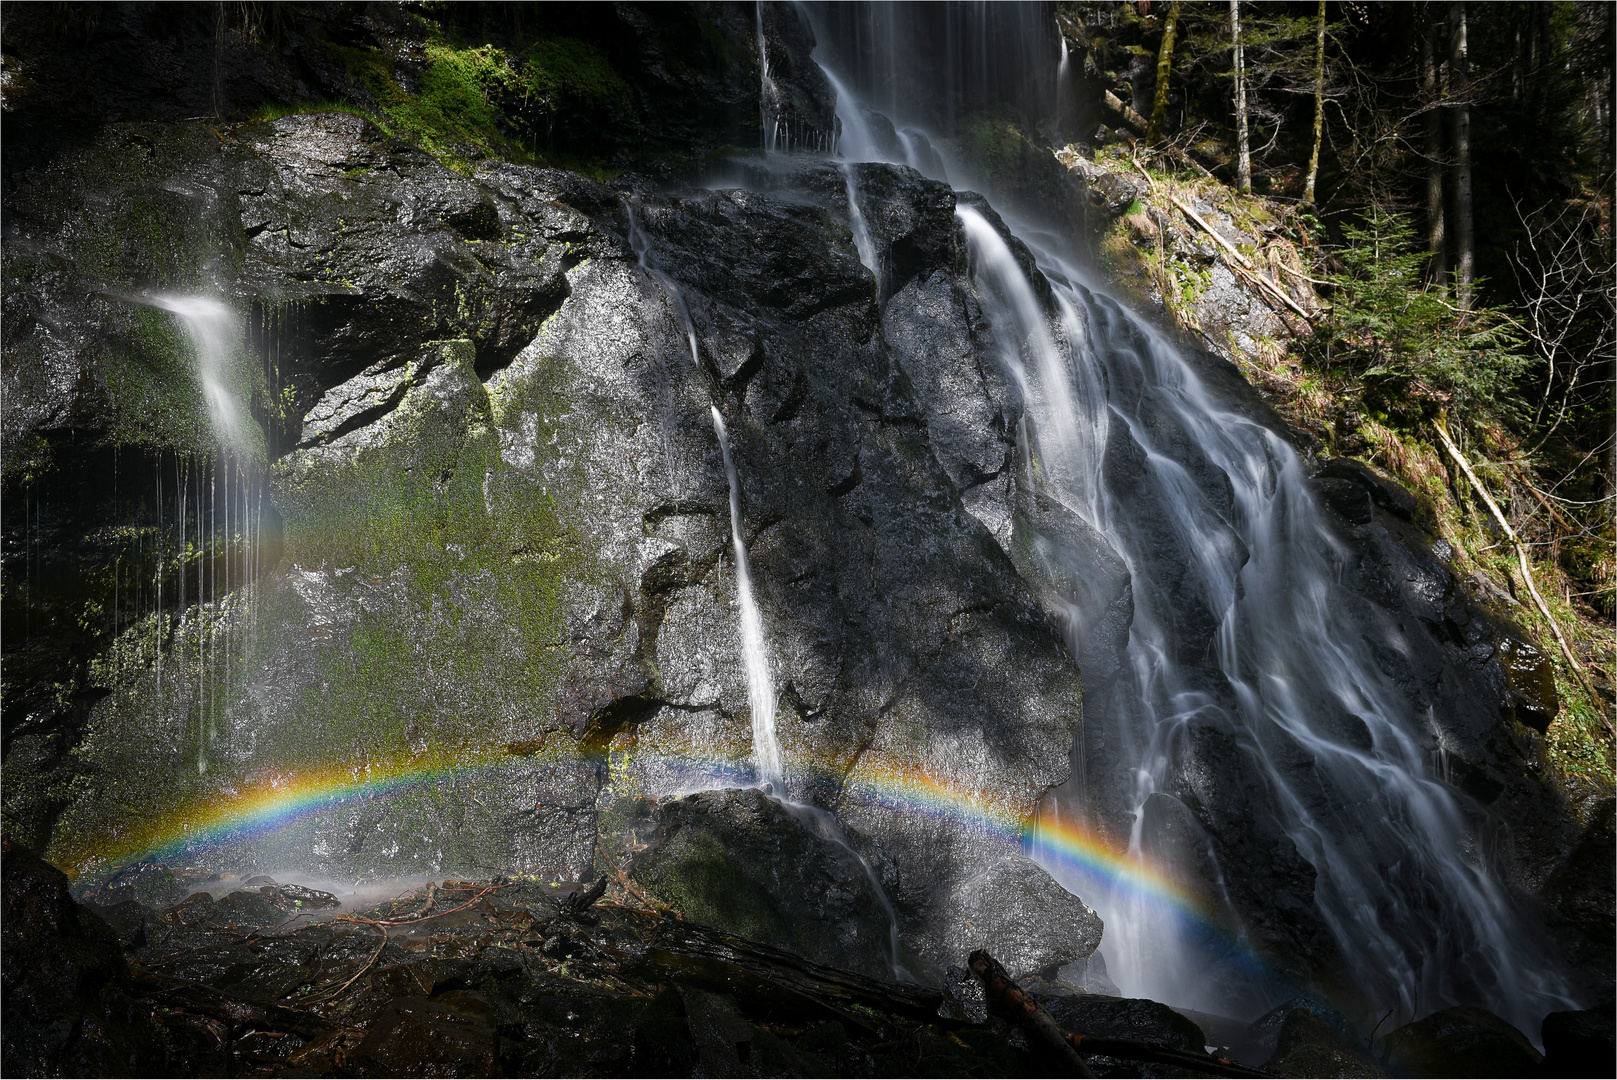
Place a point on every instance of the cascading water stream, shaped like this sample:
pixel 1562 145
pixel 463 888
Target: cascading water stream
pixel 767 95
pixel 1413 918
pixel 754 652
pixel 862 240
pixel 1236 632
pixel 760 684
pixel 211 328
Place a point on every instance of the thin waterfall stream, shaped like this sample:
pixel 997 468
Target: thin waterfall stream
pixel 754 652
pixel 767 757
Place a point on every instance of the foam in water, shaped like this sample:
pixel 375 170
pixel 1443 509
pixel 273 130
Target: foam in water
pixel 1210 513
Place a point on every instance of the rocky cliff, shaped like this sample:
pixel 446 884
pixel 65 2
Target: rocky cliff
pixel 468 596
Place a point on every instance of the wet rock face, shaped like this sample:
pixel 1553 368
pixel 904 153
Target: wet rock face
pixel 67 1002
pixel 1013 909
pixel 504 521
pixel 1489 695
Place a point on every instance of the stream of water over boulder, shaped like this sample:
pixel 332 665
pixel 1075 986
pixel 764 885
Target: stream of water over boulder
pixel 819 548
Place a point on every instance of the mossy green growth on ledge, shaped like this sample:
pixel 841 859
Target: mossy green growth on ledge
pixel 483 101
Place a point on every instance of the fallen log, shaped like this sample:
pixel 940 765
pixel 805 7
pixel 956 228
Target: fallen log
pixel 1242 264
pixel 1006 997
pixel 1012 1000
pixel 715 960
pixel 1521 551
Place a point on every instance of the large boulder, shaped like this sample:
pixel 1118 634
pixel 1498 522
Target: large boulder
pixel 741 861
pixel 1462 1041
pixel 1579 1042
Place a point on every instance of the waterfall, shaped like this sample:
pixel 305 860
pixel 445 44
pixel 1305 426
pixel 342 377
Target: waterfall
pixel 861 231
pixel 1254 566
pixel 1239 638
pixel 760 685
pixel 767 95
pixel 754 652
pixel 211 328
pixel 218 501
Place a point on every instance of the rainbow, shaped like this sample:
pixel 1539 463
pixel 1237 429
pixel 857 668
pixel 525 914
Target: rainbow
pixel 1078 857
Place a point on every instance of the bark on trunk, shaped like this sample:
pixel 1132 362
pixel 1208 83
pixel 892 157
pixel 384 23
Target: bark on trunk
pixel 1159 110
pixel 1243 152
pixel 1436 241
pixel 1319 105
pixel 1465 261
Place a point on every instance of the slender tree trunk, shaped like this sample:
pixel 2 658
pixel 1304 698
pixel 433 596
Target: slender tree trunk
pixel 1243 147
pixel 1319 104
pixel 1436 242
pixel 1465 255
pixel 1159 110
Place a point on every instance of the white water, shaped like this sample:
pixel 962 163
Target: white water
pixel 1212 516
pixel 861 231
pixel 1417 920
pixel 767 97
pixel 766 754
pixel 760 685
pixel 211 328
pixel 227 512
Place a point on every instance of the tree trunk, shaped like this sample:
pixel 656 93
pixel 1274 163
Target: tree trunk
pixel 1436 242
pixel 1159 110
pixel 1319 105
pixel 1243 152
pixel 1465 261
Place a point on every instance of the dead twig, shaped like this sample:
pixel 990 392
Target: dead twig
pixel 1242 263
pixel 334 994
pixel 422 918
pixel 1521 552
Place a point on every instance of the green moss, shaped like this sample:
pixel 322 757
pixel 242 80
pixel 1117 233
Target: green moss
pixel 997 149
pixel 481 101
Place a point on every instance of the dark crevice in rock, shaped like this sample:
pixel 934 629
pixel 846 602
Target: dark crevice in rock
pixel 606 722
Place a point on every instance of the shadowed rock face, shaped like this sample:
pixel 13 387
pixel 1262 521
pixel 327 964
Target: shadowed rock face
pixel 67 995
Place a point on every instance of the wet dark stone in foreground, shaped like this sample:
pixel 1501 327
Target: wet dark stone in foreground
pixel 1463 1041
pixel 67 1003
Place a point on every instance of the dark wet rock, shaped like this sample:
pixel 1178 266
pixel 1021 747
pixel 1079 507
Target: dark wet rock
pixel 1580 1043
pixel 68 998
pixel 1089 975
pixel 1125 1018
pixel 1462 1041
pixel 1307 1045
pixel 723 1039
pixel 741 861
pixel 128 920
pixel 250 910
pixel 1017 911
pixel 473 373
pixel 414 1037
